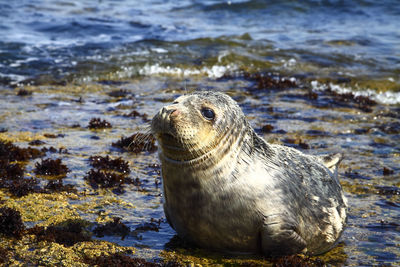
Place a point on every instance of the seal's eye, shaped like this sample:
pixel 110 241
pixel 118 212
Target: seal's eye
pixel 208 113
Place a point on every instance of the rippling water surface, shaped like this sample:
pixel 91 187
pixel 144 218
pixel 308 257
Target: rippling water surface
pixel 48 41
pixel 325 75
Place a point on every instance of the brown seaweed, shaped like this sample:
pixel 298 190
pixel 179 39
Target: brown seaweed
pixel 104 179
pixel 66 233
pixel 297 261
pixel 116 227
pixel 10 170
pixel 97 123
pixel 11 152
pixel 265 80
pixel 36 143
pixel 23 187
pixel 58 186
pixel 51 167
pixel 11 224
pixel 105 163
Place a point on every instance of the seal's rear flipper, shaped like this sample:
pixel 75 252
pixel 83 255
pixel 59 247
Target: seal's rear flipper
pixel 332 161
pixel 280 238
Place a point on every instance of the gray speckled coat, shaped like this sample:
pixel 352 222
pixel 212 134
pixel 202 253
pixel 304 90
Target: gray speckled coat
pixel 243 195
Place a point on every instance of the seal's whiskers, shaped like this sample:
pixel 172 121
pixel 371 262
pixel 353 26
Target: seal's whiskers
pixel 145 139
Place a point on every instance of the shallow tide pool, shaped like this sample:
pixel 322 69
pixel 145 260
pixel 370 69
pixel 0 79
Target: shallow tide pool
pixel 316 122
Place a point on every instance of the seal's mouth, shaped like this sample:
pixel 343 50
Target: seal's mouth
pixel 170 142
pixel 167 136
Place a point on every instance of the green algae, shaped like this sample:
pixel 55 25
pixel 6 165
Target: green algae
pixel 21 136
pixel 29 252
pixel 55 209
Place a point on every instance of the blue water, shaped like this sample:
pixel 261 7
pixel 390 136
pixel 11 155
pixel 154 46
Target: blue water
pixel 68 40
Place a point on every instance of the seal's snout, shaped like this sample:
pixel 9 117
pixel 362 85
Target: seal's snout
pixel 170 111
pixel 164 122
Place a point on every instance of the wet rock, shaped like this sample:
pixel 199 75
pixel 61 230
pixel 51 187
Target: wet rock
pixel 135 114
pixel 387 171
pixel 355 175
pixel 75 125
pixel 105 163
pixel 267 128
pixel 312 95
pixel 23 92
pixel 49 149
pixel 118 93
pixel 390 225
pixel 388 190
pixel 51 167
pixel 11 224
pixel 53 136
pixel 393 113
pixel 66 233
pixel 153 225
pixel 97 123
pixel 296 143
pixel 361 131
pixel 317 133
pixel 36 143
pixel 390 128
pixel 116 227
pixel 112 82
pixel 136 143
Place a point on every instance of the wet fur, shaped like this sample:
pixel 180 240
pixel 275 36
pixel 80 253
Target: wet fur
pixel 241 194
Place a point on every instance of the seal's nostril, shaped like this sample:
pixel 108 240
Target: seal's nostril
pixel 174 113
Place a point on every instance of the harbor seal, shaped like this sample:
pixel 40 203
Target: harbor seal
pixel 226 189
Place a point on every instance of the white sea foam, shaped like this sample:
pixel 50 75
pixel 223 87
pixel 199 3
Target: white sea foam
pixel 215 71
pixel 15 78
pixel 159 50
pixel 381 97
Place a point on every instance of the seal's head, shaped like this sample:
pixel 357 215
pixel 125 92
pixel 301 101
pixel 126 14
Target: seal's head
pixel 195 124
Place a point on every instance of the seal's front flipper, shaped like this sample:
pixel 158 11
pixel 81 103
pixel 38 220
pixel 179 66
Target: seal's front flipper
pixel 280 238
pixel 332 161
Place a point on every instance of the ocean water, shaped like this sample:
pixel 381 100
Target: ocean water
pixel 45 42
